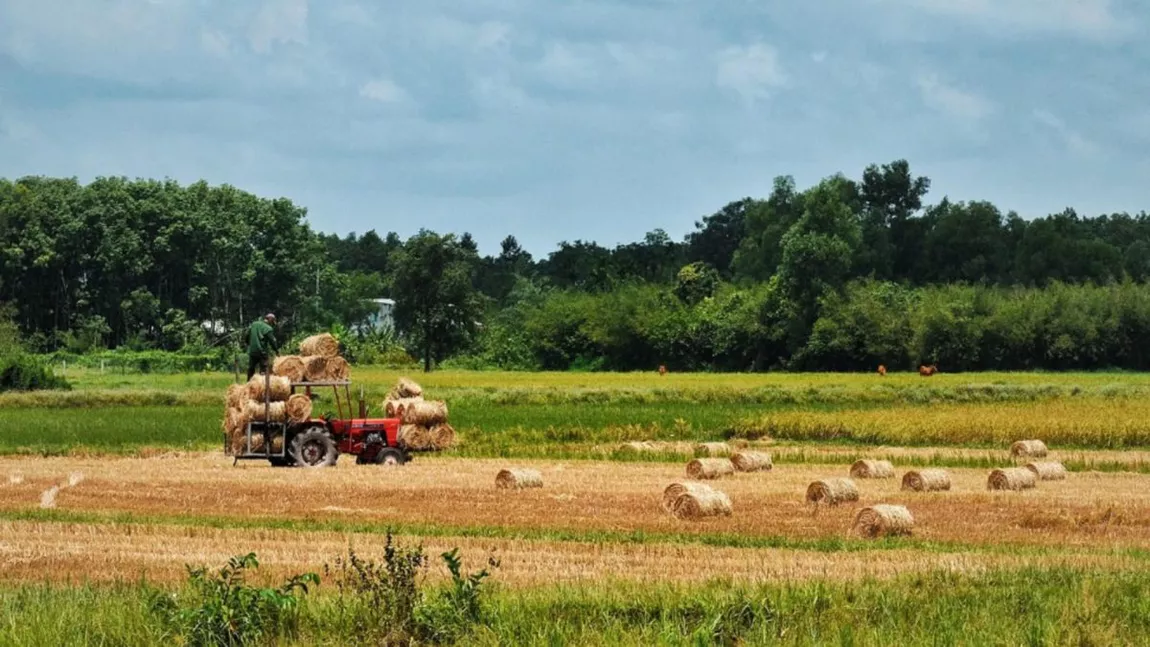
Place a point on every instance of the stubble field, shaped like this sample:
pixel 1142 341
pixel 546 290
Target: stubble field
pixel 143 490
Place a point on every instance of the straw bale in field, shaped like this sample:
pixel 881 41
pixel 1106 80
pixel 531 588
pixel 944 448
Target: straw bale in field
pixel 237 394
pixel 1028 449
pixel 442 436
pixel 713 449
pixel 699 505
pixel 298 407
pixel 323 344
pixel 868 469
pixel 425 412
pixel 407 388
pixel 276 411
pixel 751 461
pixel 394 408
pixel 1011 478
pixel 709 468
pixel 832 491
pixel 1048 471
pixel 259 443
pixel 336 368
pixel 678 488
pixel 518 477
pixel 314 367
pixel 926 480
pixel 884 520
pixel 414 437
pixel 280 387
pixel 289 366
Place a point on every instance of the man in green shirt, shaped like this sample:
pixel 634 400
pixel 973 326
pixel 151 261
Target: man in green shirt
pixel 261 344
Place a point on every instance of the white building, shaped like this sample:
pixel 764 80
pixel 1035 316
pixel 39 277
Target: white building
pixel 381 317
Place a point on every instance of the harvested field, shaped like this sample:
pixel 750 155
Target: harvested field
pixel 71 552
pixel 580 496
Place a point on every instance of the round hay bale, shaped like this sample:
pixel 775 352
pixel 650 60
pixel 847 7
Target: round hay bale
pixel 700 505
pixel 1011 478
pixel 868 469
pixel 640 446
pixel 407 388
pixel 289 366
pixel 394 408
pixel 678 488
pixel 322 344
pixel 832 491
pixel 259 442
pixel 415 437
pixel 314 367
pixel 926 480
pixel 1048 471
pixel 517 478
pixel 713 449
pixel 336 368
pixel 1028 449
pixel 709 468
pixel 276 411
pixel 442 436
pixel 751 461
pixel 883 521
pixel 237 394
pixel 280 388
pixel 298 407
pixel 424 412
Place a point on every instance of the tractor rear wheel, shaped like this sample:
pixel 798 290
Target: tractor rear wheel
pixel 390 456
pixel 314 447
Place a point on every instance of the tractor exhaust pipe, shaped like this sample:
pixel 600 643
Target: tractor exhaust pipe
pixel 362 404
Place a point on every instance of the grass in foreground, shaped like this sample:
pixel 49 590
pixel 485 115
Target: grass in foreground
pixel 1033 606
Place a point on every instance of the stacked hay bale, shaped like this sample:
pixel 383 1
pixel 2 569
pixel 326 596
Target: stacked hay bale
pixel 318 361
pixel 245 403
pixel 424 425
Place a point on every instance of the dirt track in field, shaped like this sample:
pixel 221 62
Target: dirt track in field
pixel 67 552
pixel 1087 510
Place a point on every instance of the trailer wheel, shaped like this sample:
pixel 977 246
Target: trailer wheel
pixel 313 447
pixel 389 456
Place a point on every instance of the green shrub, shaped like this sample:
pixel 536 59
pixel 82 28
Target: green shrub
pixel 27 373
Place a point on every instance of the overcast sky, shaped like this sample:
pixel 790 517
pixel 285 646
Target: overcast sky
pixel 581 119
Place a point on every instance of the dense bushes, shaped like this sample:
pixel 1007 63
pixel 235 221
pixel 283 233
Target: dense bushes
pixel 959 327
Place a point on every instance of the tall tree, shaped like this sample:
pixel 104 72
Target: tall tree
pixel 716 239
pixel 760 251
pixel 437 305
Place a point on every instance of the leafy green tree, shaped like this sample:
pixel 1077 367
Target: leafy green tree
pixel 437 305
pixel 696 282
pixel 717 237
pixel 761 250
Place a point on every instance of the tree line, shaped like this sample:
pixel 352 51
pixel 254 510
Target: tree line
pixel 842 275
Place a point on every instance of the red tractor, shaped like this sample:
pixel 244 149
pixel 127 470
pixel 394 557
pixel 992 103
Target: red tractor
pixel 318 442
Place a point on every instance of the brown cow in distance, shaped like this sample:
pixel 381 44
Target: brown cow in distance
pixel 882 370
pixel 662 369
pixel 927 371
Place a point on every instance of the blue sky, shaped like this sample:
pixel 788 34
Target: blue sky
pixel 586 119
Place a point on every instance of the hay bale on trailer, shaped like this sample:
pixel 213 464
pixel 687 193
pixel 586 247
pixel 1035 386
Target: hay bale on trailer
pixel 314 368
pixel 407 388
pixel 442 436
pixel 425 412
pixel 276 411
pixel 751 461
pixel 1011 478
pixel 832 491
pixel 323 344
pixel 289 366
pixel 280 388
pixel 884 521
pixel 415 437
pixel 1048 471
pixel 696 505
pixel 237 395
pixel 298 408
pixel 395 408
pixel 869 469
pixel 1028 449
pixel 926 480
pixel 709 468
pixel 518 478
pixel 336 368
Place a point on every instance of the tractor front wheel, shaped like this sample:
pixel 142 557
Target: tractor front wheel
pixel 313 447
pixel 390 456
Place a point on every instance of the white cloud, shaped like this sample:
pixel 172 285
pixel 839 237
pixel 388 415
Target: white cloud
pixel 952 101
pixel 1089 18
pixel 383 91
pixel 751 71
pixel 282 21
pixel 215 42
pixel 1072 138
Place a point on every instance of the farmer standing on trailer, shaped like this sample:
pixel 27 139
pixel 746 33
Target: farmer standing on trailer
pixel 261 338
